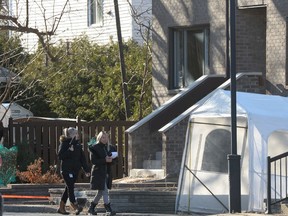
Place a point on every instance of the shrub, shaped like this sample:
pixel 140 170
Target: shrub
pixel 34 174
pixel 25 155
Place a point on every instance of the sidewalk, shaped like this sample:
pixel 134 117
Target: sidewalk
pixel 52 209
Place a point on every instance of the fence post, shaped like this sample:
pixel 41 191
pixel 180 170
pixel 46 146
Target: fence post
pixel 268 186
pixel 10 132
pixel 78 120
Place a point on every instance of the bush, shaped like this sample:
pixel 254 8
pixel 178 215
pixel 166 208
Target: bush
pixel 34 174
pixel 25 156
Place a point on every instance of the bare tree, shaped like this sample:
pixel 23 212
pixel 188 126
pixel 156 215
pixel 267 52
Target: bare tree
pixel 10 88
pixel 143 19
pixel 13 23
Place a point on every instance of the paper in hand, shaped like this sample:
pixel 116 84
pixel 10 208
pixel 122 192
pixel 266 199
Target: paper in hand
pixel 114 155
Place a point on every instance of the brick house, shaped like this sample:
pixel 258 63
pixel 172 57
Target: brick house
pixel 189 61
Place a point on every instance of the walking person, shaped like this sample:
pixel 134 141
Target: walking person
pixel 103 156
pixel 72 159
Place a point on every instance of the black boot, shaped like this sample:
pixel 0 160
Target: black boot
pixel 109 210
pixel 76 208
pixel 61 209
pixel 91 210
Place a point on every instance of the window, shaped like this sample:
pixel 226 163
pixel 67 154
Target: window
pixel 217 141
pixel 95 12
pixel 188 56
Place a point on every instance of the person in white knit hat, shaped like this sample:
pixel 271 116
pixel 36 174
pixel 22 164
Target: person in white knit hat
pixel 72 160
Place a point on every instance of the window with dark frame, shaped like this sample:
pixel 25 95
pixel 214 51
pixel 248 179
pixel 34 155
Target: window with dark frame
pixel 189 55
pixel 95 12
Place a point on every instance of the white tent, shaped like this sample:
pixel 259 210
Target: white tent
pixel 262 130
pixel 14 111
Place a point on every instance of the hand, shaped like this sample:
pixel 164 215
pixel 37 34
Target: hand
pixel 108 159
pixel 87 174
pixel 71 148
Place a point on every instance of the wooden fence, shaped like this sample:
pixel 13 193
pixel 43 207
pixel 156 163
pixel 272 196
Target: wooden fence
pixel 39 138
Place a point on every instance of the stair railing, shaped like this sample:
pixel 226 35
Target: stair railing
pixel 279 166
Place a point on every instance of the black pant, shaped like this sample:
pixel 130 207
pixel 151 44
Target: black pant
pixel 69 188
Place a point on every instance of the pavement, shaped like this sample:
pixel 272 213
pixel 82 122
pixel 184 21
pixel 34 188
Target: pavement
pixel 118 214
pixel 51 210
pixel 99 214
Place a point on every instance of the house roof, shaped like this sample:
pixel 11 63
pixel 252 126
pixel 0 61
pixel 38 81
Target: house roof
pixel 6 75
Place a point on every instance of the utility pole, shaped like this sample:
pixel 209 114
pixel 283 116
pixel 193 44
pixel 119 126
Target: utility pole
pixel 122 62
pixel 233 158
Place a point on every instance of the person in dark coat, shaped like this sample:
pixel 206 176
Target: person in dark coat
pixel 103 156
pixel 72 159
pixel 1 132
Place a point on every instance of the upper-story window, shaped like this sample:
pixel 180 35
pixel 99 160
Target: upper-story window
pixel 95 12
pixel 188 55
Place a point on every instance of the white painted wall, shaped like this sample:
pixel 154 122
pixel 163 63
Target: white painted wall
pixel 74 20
pixel 146 18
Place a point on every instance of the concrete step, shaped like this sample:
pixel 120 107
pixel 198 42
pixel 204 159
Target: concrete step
pixel 141 197
pixel 123 200
pixel 284 208
pixel 151 173
pixel 138 197
pixel 30 208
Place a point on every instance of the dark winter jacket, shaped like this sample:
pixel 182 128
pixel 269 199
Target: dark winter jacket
pixel 72 161
pixel 100 169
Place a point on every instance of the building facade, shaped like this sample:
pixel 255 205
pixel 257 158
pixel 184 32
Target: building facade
pixel 189 47
pixel 193 43
pixel 67 20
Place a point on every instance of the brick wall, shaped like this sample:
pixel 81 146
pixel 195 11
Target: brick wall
pixel 251 40
pixel 261 39
pixel 143 145
pixel 192 13
pixel 261 47
pixel 252 84
pixel 173 148
pixel 276 43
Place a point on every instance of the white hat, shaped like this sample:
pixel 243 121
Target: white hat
pixel 70 132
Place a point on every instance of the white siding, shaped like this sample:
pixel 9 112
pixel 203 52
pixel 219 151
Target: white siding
pixel 146 18
pixel 74 20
